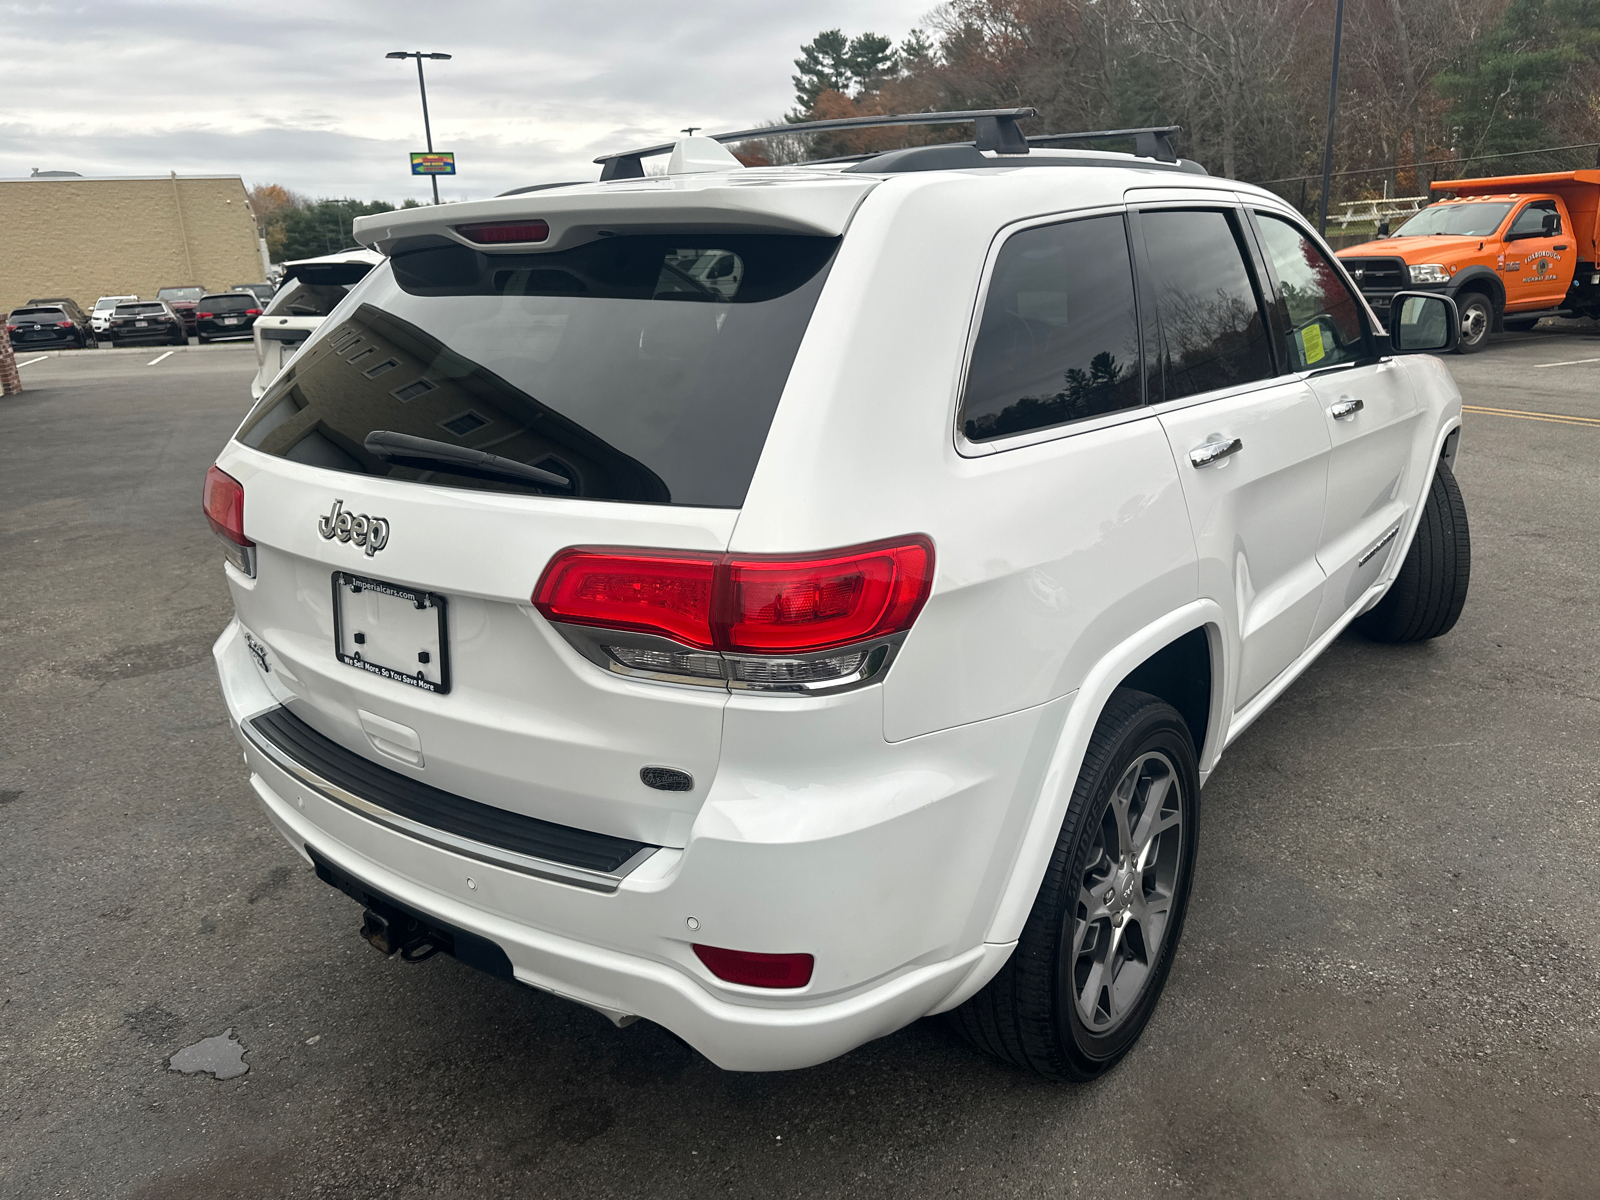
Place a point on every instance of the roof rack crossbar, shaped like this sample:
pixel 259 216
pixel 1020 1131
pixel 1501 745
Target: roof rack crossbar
pixel 1149 141
pixel 993 128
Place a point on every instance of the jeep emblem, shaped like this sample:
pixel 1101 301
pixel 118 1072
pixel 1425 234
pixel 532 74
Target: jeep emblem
pixel 371 532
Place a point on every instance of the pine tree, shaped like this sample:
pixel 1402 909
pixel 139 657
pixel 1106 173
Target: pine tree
pixel 1518 86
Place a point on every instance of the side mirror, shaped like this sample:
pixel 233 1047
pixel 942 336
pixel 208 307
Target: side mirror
pixel 1552 224
pixel 1383 228
pixel 1423 323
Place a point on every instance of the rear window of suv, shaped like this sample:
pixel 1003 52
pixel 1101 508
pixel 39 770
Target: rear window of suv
pixel 140 310
pixel 635 368
pixel 39 314
pixel 229 303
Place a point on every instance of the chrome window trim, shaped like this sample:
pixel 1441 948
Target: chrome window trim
pixel 595 881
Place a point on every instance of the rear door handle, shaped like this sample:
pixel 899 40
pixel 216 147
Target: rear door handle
pixel 1214 451
pixel 1345 408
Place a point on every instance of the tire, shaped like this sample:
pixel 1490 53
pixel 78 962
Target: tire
pixel 1477 319
pixel 1032 1013
pixel 1519 324
pixel 1426 597
pixel 179 340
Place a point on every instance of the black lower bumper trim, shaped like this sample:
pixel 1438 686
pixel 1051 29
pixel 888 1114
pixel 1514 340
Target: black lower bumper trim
pixel 469 948
pixel 438 809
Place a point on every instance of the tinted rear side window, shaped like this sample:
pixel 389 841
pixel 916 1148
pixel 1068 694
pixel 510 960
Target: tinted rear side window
pixel 640 368
pixel 1059 337
pixel 1210 318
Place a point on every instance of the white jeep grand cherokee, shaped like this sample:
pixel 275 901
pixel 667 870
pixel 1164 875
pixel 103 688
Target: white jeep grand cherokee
pixel 784 603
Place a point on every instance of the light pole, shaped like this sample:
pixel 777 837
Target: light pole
pixel 1333 109
pixel 427 131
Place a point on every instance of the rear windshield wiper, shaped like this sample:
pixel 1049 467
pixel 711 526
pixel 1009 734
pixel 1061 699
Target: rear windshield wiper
pixel 428 455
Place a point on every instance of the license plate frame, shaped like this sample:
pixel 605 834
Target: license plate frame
pixel 347 585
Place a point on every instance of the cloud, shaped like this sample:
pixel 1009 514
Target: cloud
pixel 301 94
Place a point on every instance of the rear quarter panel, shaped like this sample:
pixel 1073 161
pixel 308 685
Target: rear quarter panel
pixel 1046 556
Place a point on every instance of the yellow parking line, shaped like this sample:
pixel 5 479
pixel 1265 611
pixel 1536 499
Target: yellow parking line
pixel 1558 418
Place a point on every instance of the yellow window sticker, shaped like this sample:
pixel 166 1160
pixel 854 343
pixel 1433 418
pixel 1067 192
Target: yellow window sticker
pixel 1311 339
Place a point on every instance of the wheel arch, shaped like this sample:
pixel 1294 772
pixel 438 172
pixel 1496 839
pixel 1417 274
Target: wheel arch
pixel 1483 280
pixel 1152 659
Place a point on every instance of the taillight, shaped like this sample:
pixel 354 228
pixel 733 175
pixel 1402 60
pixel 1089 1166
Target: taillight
pixel 252 312
pixel 200 316
pixel 668 595
pixel 64 324
pixel 777 622
pixel 757 970
pixel 12 328
pixel 508 231
pixel 223 504
pixel 794 605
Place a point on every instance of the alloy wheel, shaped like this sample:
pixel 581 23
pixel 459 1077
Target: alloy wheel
pixel 1125 892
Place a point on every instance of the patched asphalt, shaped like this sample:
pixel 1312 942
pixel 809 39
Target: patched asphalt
pixel 1389 983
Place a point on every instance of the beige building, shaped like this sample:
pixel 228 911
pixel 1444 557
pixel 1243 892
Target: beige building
pixel 87 238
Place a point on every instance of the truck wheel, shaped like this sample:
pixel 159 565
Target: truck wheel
pixel 1095 951
pixel 1519 324
pixel 1477 318
pixel 1426 597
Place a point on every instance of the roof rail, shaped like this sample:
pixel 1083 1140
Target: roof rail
pixel 994 129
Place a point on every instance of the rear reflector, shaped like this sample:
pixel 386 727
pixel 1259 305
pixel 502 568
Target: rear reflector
pixel 518 231
pixel 757 970
pixel 223 503
pixel 752 604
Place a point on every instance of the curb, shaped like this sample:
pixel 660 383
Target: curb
pixel 153 348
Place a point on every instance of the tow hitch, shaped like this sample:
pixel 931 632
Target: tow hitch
pixel 395 933
pixel 397 928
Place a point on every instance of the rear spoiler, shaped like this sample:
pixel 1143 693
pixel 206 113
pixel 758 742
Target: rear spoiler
pixel 319 274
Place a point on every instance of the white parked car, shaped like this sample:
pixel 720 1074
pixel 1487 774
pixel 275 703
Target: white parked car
pixel 784 603
pixel 100 315
pixel 310 289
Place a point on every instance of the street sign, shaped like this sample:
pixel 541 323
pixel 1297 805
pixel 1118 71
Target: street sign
pixel 442 163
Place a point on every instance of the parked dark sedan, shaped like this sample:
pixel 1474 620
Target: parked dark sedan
pixel 146 321
pixel 225 315
pixel 183 300
pixel 48 327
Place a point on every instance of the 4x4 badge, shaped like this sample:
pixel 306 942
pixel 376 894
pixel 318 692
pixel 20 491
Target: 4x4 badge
pixel 371 532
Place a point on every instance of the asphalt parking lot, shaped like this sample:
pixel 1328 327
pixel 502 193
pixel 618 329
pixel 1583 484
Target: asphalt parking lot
pixel 1389 984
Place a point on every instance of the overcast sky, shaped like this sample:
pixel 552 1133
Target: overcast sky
pixel 299 93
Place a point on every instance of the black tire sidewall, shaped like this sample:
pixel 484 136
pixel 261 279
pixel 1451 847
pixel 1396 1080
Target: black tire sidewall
pixel 1155 726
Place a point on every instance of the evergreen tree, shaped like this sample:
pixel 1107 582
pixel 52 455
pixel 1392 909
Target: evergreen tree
pixel 824 65
pixel 1518 87
pixel 831 62
pixel 323 226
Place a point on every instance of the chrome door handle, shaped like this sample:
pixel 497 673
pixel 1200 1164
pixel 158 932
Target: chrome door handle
pixel 1211 452
pixel 1345 408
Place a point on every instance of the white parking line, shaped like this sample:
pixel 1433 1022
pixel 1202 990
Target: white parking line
pixel 158 358
pixel 31 361
pixel 1571 362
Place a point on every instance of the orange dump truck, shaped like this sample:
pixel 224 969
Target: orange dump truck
pixel 1509 250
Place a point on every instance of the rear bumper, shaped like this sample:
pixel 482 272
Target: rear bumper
pixel 891 894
